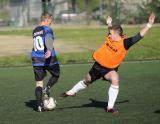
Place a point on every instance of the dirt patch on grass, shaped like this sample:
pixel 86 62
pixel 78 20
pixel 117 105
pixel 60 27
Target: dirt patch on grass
pixel 14 45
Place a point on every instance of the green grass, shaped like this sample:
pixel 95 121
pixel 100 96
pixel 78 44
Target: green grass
pixel 138 100
pixel 25 60
pixel 92 38
pixel 15 60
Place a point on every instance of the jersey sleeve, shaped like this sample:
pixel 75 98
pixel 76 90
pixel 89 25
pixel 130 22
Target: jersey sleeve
pixel 132 40
pixel 49 42
pixel 49 39
pixel 49 33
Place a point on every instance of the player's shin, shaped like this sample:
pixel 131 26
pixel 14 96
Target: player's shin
pixel 52 81
pixel 112 95
pixel 38 94
pixel 76 88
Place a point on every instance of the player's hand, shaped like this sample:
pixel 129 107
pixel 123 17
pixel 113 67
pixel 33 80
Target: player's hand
pixel 47 54
pixel 151 18
pixel 109 20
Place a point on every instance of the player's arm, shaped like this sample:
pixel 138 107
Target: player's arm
pixel 49 45
pixel 109 22
pixel 132 40
pixel 149 25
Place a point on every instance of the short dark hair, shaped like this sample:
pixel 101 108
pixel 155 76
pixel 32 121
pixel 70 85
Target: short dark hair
pixel 45 15
pixel 117 28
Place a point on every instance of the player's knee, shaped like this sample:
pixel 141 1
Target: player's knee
pixel 39 84
pixel 87 80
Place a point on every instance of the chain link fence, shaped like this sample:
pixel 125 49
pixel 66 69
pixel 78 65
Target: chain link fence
pixel 22 13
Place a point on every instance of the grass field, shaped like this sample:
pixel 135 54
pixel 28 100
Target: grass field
pixel 138 101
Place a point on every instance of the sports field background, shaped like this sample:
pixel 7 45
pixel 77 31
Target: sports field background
pixel 139 98
pixel 74 45
pixel 138 101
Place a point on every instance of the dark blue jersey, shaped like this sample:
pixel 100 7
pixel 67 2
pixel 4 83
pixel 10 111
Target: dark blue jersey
pixel 39 47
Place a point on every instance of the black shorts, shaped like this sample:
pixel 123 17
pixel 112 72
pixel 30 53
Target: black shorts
pixel 97 71
pixel 41 71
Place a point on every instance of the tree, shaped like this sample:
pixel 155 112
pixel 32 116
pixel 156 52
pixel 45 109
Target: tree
pixel 147 8
pixel 46 6
pixel 88 12
pixel 74 6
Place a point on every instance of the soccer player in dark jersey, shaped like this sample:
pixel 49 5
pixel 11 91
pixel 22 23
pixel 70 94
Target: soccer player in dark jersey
pixel 44 58
pixel 107 60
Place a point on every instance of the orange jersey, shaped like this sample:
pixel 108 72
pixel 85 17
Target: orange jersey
pixel 111 53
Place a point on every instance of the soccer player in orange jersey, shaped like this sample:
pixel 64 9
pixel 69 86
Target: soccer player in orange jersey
pixel 107 60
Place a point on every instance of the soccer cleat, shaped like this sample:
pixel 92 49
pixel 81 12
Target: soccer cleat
pixel 46 93
pixel 40 109
pixel 112 110
pixel 64 95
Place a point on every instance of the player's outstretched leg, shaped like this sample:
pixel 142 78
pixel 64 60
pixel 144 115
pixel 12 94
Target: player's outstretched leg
pixel 113 91
pixel 76 88
pixel 50 83
pixel 79 86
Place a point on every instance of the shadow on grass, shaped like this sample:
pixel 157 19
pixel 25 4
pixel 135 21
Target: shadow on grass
pixel 157 111
pixel 93 103
pixel 31 104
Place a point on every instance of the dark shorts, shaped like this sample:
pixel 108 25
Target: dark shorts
pixel 97 71
pixel 41 71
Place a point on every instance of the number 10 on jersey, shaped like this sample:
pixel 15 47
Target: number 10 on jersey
pixel 38 43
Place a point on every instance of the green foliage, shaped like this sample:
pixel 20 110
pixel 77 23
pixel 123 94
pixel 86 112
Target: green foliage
pixel 4 12
pixel 92 4
pixel 149 7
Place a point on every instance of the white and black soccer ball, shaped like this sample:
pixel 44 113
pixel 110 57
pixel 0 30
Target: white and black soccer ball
pixel 50 103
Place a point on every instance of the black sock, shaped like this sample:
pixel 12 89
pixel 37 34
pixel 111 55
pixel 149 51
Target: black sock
pixel 52 81
pixel 38 94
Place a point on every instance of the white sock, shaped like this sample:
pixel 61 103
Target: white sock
pixel 112 94
pixel 79 86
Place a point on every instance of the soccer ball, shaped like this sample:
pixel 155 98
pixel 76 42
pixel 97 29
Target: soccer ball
pixel 50 103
